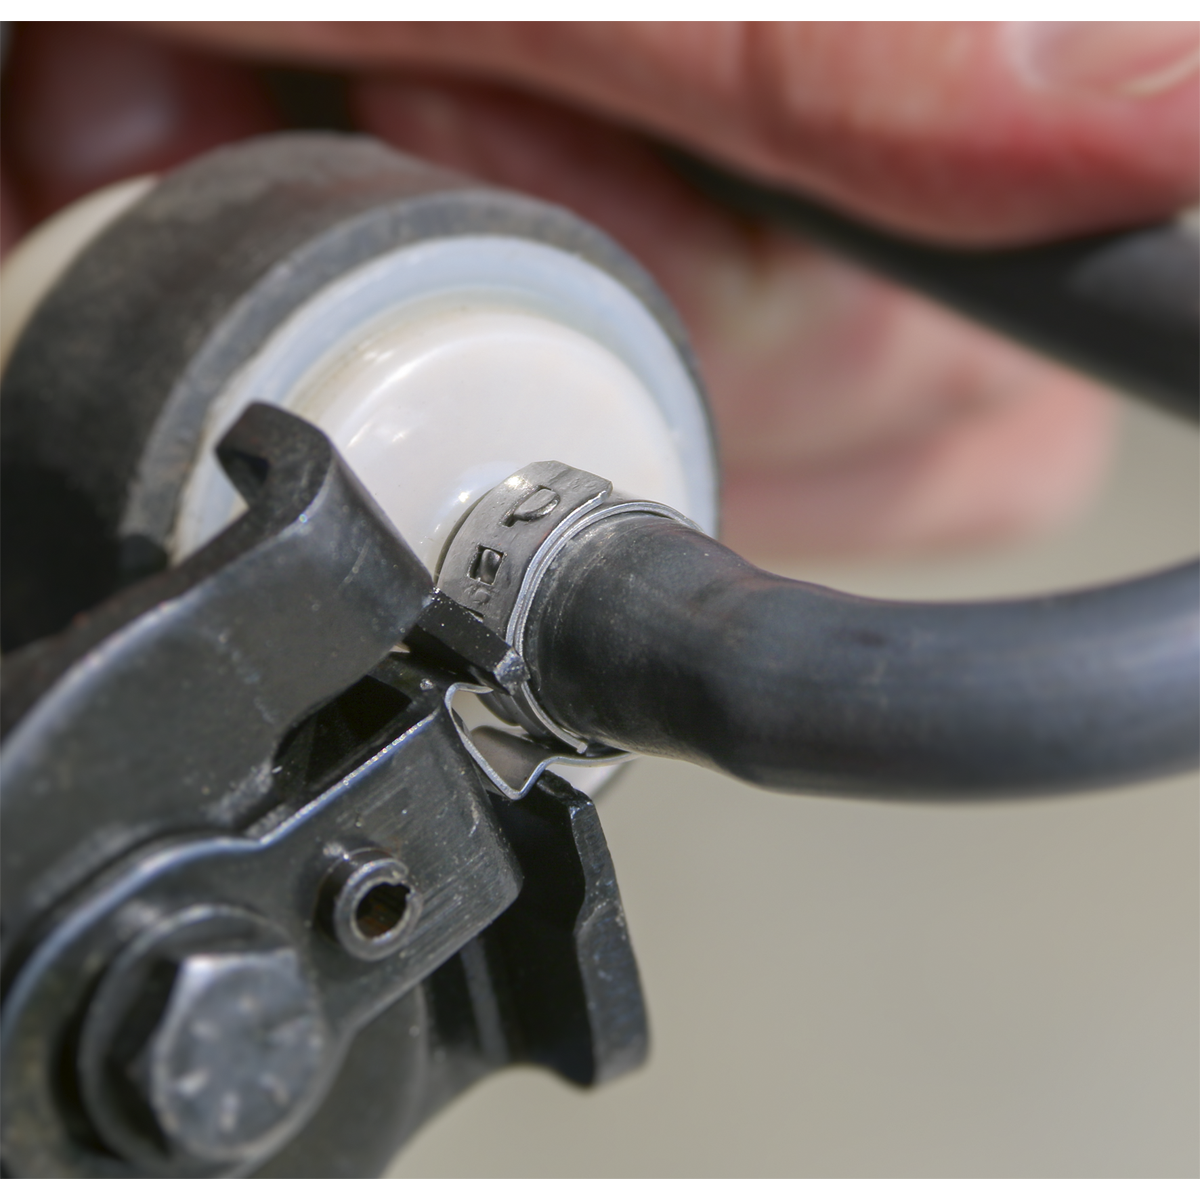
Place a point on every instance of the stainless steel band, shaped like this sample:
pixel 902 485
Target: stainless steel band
pixel 498 557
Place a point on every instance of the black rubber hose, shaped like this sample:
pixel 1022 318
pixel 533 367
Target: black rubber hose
pixel 1122 306
pixel 651 636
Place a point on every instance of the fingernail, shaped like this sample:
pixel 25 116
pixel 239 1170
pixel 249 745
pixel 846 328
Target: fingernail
pixel 1114 58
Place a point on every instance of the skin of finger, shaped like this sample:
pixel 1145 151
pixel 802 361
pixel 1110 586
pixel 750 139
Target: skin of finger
pixel 819 374
pixel 86 105
pixel 929 127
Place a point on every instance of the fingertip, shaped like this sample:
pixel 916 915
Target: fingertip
pixel 978 133
pixel 1113 59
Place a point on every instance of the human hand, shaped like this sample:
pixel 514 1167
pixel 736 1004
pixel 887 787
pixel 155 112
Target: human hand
pixel 852 416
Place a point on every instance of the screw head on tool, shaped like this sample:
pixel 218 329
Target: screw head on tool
pixel 205 1045
pixel 235 1053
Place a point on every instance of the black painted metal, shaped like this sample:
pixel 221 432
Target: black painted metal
pixel 1123 306
pixel 455 637
pixel 291 605
pixel 652 637
pixel 224 749
pixel 552 982
pixel 560 957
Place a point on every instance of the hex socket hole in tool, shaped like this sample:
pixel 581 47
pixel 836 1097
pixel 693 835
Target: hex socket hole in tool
pixel 370 906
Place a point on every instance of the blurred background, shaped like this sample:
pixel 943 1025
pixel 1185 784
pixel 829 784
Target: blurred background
pixel 850 988
pixel 836 988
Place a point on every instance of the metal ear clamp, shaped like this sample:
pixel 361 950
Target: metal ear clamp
pixel 503 550
pixel 513 762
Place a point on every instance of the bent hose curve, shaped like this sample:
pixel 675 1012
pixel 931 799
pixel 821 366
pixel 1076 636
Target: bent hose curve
pixel 652 637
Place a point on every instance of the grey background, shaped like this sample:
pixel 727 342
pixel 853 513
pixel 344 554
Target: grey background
pixel 855 989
